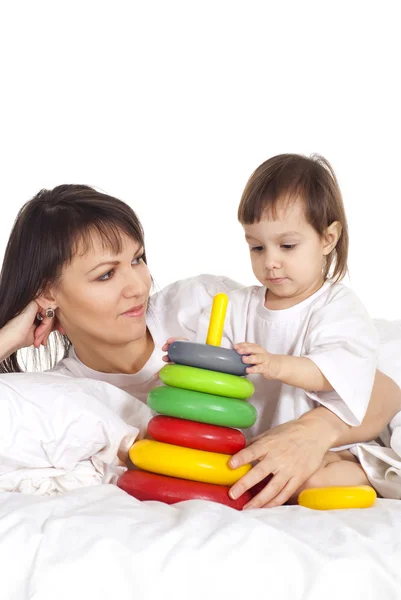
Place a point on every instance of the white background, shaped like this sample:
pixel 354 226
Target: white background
pixel 171 105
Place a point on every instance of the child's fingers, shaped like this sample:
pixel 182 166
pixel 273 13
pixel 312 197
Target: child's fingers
pixel 256 370
pixel 254 359
pixel 246 348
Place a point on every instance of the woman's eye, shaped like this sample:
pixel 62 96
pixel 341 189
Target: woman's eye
pixel 110 274
pixel 257 249
pixel 106 276
pixel 288 246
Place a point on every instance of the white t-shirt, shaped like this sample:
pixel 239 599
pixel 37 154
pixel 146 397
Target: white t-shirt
pixel 331 327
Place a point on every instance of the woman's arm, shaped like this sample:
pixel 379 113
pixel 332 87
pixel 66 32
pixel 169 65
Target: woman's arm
pixel 294 451
pixel 385 403
pixel 19 332
pixel 7 346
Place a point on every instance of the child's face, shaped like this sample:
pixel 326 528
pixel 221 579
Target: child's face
pixel 287 254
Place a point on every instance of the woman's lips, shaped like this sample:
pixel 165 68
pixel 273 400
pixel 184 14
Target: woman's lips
pixel 135 311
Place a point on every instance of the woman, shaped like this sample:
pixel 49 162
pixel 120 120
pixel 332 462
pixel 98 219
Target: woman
pixel 77 257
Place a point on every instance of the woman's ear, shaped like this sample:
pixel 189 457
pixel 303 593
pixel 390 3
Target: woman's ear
pixel 46 300
pixel 331 237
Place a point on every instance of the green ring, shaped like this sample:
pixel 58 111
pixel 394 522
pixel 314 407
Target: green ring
pixel 209 382
pixel 205 408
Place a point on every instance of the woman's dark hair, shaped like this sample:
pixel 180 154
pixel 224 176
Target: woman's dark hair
pixel 46 234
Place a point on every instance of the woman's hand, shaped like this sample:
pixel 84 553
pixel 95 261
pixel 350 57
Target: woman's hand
pixel 25 330
pixel 19 332
pixel 291 453
pixel 42 332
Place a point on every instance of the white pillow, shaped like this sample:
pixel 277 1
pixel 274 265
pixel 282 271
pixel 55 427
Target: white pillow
pixel 67 425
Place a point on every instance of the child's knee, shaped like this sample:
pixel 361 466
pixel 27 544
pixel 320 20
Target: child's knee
pixel 336 470
pixel 317 480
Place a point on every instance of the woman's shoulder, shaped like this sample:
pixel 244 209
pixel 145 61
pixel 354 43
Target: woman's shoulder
pixel 195 291
pixel 175 311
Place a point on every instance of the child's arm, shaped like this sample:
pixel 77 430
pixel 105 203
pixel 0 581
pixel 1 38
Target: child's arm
pixel 297 371
pixel 338 357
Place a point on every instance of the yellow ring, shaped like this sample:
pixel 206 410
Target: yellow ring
pixel 332 498
pixel 186 463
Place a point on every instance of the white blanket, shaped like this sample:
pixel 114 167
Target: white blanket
pixel 99 543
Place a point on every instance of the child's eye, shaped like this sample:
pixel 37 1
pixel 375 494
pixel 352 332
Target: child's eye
pixel 288 246
pixel 138 260
pixel 256 248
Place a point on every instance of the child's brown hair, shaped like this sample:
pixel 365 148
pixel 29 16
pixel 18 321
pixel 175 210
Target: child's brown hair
pixel 290 177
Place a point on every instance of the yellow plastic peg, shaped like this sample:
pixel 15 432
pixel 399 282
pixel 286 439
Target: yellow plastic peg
pixel 217 317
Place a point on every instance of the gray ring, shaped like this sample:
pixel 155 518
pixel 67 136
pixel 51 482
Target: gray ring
pixel 203 356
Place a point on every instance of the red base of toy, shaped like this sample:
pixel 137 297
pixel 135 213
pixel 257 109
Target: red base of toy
pixel 149 486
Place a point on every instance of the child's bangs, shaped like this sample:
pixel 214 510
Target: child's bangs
pixel 267 200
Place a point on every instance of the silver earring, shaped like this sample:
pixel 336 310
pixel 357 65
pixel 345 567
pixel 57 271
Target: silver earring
pixel 39 317
pixel 50 313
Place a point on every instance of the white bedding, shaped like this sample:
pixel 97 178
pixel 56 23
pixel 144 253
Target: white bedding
pixel 59 434
pixel 99 543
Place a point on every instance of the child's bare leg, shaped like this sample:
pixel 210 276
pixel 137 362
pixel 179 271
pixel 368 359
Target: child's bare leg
pixel 338 469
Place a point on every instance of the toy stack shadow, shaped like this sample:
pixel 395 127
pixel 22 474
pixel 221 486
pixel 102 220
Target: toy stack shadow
pixel 201 404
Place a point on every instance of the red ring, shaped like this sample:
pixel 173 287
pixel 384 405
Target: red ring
pixel 192 434
pixel 149 486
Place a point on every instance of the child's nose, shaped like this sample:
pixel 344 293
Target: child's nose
pixel 272 261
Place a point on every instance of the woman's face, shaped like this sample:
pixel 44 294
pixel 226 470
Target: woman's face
pixel 103 297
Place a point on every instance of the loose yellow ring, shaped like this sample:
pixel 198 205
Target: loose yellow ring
pixel 332 498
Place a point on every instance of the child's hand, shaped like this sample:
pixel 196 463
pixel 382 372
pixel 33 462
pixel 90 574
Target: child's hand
pixel 291 453
pixel 262 362
pixel 167 345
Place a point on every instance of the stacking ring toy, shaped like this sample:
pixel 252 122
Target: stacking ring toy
pixel 206 408
pixel 209 382
pixel 216 322
pixel 185 463
pixel 196 435
pixel 149 486
pixel 332 498
pixel 212 358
